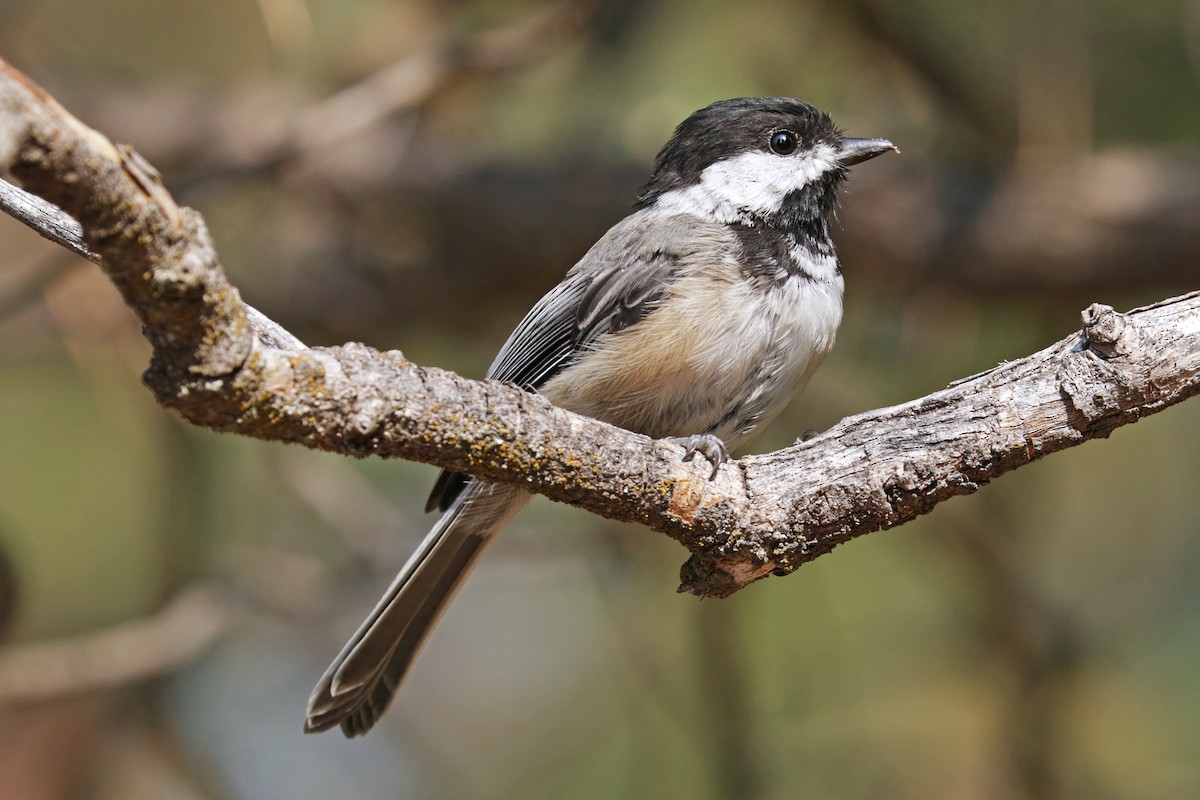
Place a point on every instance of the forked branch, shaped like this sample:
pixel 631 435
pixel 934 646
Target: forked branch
pixel 221 364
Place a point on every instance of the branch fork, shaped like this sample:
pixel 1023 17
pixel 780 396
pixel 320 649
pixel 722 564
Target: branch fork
pixel 224 365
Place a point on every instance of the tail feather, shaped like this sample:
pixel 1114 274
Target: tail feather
pixel 360 683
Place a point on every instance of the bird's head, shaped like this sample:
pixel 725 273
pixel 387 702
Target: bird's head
pixel 755 160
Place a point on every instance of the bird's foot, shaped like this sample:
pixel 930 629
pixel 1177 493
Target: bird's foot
pixel 707 445
pixel 809 434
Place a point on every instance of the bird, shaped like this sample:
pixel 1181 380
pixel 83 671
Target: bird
pixel 695 318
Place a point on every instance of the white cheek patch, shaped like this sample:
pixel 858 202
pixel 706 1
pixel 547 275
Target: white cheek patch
pixel 751 184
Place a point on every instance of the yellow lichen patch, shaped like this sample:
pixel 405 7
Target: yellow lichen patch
pixel 685 499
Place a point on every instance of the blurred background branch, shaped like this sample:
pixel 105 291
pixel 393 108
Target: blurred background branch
pixel 403 87
pixel 127 653
pixel 975 102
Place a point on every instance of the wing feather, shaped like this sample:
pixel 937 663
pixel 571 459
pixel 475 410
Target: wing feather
pixel 619 282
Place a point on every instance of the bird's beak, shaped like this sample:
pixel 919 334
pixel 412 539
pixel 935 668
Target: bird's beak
pixel 856 151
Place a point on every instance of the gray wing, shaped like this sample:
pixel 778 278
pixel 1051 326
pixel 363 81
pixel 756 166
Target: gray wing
pixel 546 339
pixel 618 283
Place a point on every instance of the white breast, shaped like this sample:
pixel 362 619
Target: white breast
pixel 722 355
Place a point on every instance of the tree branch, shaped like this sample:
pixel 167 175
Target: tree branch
pixel 125 653
pixel 221 366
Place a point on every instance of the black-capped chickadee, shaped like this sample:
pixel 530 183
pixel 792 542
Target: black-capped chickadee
pixel 696 317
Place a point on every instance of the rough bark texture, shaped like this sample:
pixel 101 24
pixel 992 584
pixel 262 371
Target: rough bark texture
pixel 223 365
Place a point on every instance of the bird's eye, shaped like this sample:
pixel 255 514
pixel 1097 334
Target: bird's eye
pixel 783 142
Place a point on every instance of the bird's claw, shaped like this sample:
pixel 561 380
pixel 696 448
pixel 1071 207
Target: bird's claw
pixel 707 445
pixel 808 435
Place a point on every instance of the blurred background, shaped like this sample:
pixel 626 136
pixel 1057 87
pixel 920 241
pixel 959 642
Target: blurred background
pixel 414 175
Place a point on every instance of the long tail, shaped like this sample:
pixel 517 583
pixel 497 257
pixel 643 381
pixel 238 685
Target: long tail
pixel 360 683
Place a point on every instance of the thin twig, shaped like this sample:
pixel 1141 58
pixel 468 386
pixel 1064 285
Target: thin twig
pixel 44 218
pixel 54 224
